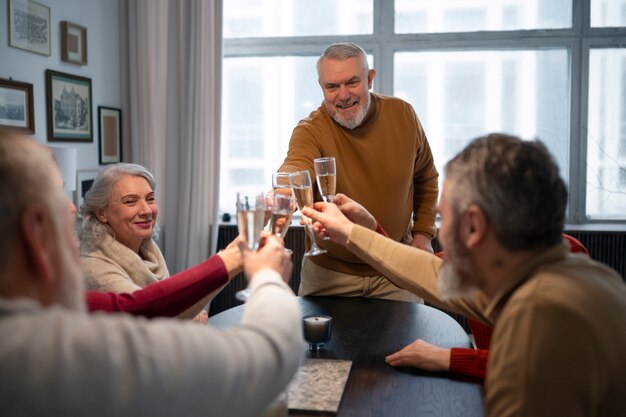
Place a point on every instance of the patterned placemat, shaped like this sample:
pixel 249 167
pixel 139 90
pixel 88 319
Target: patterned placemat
pixel 318 385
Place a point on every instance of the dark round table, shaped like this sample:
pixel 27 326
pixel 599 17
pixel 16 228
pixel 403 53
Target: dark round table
pixel 365 330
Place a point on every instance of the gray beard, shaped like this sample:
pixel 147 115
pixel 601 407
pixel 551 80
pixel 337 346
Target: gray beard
pixel 457 276
pixel 451 284
pixel 358 118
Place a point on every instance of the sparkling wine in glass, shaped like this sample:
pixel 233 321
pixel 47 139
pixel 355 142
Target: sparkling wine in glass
pixel 250 222
pixel 303 191
pixel 283 206
pixel 326 176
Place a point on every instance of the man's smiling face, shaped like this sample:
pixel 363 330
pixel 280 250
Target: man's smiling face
pixel 346 85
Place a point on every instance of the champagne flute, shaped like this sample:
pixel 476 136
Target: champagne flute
pixel 286 203
pixel 326 176
pixel 301 185
pixel 250 221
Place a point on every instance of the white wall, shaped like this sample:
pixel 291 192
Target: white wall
pixel 101 18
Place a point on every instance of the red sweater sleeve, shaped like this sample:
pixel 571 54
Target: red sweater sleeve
pixel 380 230
pixel 472 362
pixel 166 298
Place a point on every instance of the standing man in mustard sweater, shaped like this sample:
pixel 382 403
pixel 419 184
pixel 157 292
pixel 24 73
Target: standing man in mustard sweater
pixel 383 161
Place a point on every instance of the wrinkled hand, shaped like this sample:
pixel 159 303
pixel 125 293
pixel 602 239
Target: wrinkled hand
pixel 201 318
pixel 422 242
pixel 329 221
pixel 423 355
pixel 354 211
pixel 271 254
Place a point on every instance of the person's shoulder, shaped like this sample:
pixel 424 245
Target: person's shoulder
pixel 576 285
pixel 390 106
pixel 318 117
pixel 385 100
pixel 96 266
pixel 96 258
pixel 318 124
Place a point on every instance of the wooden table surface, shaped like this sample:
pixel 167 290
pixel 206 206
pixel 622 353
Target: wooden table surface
pixel 365 330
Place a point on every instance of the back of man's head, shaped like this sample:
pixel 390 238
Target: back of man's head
pixel 25 178
pixel 518 186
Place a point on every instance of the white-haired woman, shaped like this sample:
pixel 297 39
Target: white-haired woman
pixel 118 250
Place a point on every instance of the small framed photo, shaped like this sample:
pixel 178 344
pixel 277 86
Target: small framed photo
pixel 110 135
pixel 73 43
pixel 29 26
pixel 16 105
pixel 84 180
pixel 68 107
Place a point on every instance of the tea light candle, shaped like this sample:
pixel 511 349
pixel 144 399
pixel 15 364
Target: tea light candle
pixel 317 329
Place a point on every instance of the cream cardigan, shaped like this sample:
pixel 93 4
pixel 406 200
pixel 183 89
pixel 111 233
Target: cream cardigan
pixel 114 267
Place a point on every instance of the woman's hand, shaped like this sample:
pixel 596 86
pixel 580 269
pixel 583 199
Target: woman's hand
pixel 231 256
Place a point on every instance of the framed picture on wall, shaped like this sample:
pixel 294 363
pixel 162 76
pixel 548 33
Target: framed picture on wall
pixel 84 180
pixel 73 43
pixel 16 105
pixel 68 107
pixel 29 26
pixel 110 135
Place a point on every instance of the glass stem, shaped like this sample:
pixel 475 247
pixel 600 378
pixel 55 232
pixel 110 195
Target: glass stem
pixel 309 227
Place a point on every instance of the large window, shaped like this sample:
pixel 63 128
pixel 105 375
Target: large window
pixel 266 18
pixel 461 95
pixel 468 67
pixel 606 135
pixel 425 16
pixel 263 99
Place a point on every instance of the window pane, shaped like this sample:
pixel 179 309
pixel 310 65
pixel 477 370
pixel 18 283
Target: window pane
pixel 461 95
pixel 608 13
pixel 606 140
pixel 427 16
pixel 253 18
pixel 263 99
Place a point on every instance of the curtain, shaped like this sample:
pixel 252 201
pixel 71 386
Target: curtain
pixel 171 71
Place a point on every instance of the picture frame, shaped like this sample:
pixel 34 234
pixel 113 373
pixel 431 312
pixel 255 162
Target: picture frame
pixel 16 106
pixel 84 180
pixel 110 135
pixel 29 26
pixel 73 43
pixel 68 107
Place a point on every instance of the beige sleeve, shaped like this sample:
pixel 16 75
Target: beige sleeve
pixel 410 268
pixel 399 263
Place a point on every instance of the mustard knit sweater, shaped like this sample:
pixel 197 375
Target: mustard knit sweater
pixel 385 164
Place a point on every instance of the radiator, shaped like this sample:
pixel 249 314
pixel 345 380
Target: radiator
pixel 606 247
